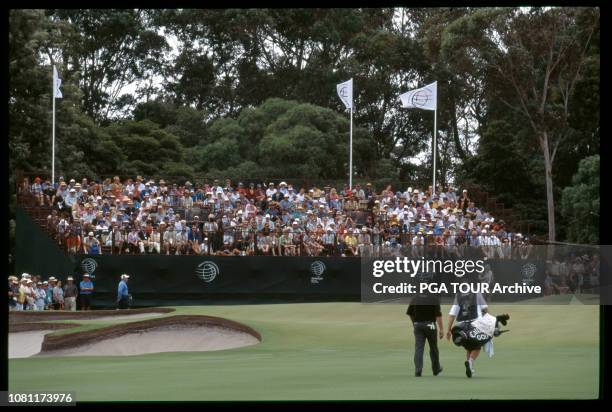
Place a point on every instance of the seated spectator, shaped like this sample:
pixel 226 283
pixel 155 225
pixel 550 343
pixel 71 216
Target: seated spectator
pixel 91 245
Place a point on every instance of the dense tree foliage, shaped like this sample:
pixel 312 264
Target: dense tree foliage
pixel 580 205
pixel 251 93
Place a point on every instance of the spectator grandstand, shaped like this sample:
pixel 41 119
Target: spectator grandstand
pixel 144 216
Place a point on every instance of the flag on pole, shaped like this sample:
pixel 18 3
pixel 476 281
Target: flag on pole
pixel 57 82
pixel 345 93
pixel 425 98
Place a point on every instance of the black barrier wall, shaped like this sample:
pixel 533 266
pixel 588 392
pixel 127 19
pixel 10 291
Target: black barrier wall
pixel 180 280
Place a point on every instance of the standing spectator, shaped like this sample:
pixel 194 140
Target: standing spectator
pixel 58 296
pixel 70 294
pixel 123 297
pixel 41 296
pixel 37 191
pixel 30 294
pixel 13 292
pixel 87 288
pixel 21 298
pixel 48 285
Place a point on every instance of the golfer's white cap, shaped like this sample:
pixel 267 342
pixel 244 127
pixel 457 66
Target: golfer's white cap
pixel 125 276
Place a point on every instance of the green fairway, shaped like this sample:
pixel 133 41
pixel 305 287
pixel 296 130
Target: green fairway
pixel 339 351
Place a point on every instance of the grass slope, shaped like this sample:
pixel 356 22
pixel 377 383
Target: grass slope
pixel 339 351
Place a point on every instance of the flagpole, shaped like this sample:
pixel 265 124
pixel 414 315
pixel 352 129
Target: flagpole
pixel 53 132
pixel 351 152
pixel 434 149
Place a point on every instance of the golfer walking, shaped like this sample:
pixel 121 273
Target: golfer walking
pixel 123 297
pixel 425 312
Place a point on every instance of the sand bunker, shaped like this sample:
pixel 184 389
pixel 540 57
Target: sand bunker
pixel 181 333
pixel 166 339
pixel 26 344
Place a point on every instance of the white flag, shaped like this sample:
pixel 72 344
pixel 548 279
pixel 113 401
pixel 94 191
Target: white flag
pixel 57 82
pixel 345 93
pixel 425 98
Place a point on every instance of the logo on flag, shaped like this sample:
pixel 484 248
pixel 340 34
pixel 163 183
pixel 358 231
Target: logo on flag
pixel 345 93
pixel 57 82
pixel 424 98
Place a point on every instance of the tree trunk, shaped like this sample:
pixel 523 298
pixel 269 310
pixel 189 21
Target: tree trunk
pixel 460 152
pixel 549 187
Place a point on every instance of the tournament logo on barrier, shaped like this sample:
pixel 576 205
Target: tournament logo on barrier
pixel 528 273
pixel 89 265
pixel 317 268
pixel 207 271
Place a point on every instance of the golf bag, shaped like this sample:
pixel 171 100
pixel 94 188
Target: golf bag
pixel 476 333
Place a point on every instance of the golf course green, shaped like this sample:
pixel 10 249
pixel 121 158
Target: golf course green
pixel 342 351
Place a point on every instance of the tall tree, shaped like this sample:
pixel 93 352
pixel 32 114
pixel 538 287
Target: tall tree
pixel 536 57
pixel 109 50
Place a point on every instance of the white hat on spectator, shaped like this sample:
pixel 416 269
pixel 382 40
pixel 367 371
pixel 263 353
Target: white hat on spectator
pixel 321 205
pixel 283 183
pixel 464 190
pixel 239 212
pixel 69 278
pixel 364 229
pixel 267 215
pixel 415 191
pixel 72 180
pixel 90 234
pixel 98 197
pixel 72 190
pixel 356 231
pixel 409 190
pixel 484 231
pixel 309 212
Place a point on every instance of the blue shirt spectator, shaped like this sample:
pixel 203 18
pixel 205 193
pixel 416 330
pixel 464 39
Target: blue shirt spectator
pixel 122 290
pixel 86 286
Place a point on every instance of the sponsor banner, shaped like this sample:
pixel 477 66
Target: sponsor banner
pixel 167 280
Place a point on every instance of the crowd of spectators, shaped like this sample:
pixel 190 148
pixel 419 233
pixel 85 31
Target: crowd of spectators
pixel 32 293
pixel 143 216
pixel 572 274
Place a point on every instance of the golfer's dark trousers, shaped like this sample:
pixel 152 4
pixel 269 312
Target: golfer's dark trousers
pixel 426 331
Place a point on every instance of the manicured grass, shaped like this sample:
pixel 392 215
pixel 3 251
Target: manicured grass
pixel 339 351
